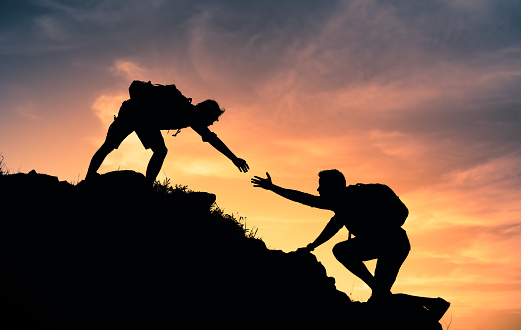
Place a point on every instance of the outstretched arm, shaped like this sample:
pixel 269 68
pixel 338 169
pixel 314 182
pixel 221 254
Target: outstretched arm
pixel 210 137
pixel 292 195
pixel 332 227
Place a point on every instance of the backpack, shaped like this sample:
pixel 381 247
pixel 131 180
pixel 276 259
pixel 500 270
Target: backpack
pixel 157 94
pixel 379 203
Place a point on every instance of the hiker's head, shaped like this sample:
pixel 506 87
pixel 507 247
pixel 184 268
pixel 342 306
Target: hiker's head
pixel 331 182
pixel 208 112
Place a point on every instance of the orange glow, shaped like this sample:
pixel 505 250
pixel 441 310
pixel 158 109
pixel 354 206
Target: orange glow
pixel 461 227
pixel 361 92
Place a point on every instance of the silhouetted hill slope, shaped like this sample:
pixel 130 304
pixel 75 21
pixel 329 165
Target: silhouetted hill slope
pixel 115 253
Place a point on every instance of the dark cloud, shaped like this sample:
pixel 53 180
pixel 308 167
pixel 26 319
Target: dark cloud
pixel 462 28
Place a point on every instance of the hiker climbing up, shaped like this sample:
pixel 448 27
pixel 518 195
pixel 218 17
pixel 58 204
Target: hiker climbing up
pixel 152 108
pixel 372 213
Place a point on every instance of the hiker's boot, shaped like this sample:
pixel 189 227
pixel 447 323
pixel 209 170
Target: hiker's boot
pixel 379 297
pixel 437 308
pixel 92 176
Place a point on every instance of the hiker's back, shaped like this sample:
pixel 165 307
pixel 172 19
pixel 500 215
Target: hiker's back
pixel 373 206
pixel 164 104
pixel 153 93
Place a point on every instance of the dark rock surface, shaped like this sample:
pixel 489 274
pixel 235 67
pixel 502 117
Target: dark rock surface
pixel 113 252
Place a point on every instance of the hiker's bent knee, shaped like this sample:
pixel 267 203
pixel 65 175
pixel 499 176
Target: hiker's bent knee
pixel 160 151
pixel 341 251
pixel 403 254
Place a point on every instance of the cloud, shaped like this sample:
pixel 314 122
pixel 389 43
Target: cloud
pixel 28 110
pixel 497 173
pixel 130 70
pixel 406 83
pixel 51 29
pixel 106 107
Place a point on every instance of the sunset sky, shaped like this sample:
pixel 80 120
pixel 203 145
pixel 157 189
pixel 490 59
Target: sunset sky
pixel 421 95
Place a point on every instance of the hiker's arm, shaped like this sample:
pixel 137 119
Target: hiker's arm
pixel 332 227
pixel 292 195
pixel 211 137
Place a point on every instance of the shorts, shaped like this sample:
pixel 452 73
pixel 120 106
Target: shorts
pixel 126 123
pixel 391 243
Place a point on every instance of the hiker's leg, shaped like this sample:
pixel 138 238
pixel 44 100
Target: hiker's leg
pixel 387 268
pixel 348 254
pixel 152 139
pixel 156 162
pixel 394 252
pixel 98 158
pixel 120 128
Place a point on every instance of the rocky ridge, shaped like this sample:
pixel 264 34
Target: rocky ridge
pixel 113 252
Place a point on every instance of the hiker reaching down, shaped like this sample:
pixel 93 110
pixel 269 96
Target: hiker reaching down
pixel 372 213
pixel 152 108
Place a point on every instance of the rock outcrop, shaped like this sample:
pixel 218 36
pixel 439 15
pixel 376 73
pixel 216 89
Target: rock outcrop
pixel 113 252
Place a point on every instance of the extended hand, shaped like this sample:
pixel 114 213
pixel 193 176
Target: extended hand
pixel 241 164
pixel 261 182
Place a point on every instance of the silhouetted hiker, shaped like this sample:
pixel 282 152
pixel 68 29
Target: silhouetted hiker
pixel 376 225
pixel 152 108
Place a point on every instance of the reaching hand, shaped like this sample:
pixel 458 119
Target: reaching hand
pixel 263 183
pixel 241 164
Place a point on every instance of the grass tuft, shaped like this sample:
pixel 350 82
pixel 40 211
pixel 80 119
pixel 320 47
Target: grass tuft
pixel 3 168
pixel 234 223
